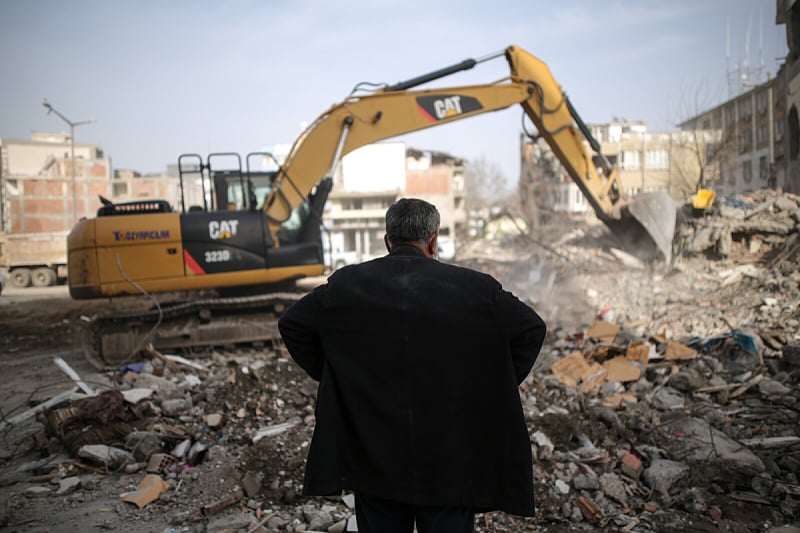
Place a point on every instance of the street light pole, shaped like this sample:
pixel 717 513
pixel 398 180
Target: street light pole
pixel 72 125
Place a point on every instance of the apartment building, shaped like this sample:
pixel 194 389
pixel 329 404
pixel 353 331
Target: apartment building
pixel 748 151
pixel 37 178
pixel 646 161
pixel 39 192
pixel 373 177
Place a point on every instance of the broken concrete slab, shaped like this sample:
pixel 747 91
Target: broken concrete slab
pixel 703 443
pixel 662 474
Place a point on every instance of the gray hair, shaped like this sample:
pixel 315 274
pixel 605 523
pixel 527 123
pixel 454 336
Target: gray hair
pixel 411 220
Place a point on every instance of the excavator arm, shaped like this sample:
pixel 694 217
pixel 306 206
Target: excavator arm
pixel 396 110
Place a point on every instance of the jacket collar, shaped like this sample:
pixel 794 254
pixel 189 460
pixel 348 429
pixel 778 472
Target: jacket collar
pixel 405 249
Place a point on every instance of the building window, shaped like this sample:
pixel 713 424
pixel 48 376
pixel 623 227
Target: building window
pixel 730 114
pixel 763 168
pixel 657 159
pixel 762 102
pixel 631 160
pixel 746 109
pixel 746 143
pixel 119 189
pixel 779 129
pixel 762 134
pixel 747 171
pixel 353 204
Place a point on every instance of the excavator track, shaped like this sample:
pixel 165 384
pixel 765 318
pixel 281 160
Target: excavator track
pixel 111 341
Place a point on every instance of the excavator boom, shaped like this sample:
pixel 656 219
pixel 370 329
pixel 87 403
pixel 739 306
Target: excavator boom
pixel 646 222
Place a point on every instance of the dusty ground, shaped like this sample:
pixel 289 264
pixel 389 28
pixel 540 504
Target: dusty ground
pixel 260 387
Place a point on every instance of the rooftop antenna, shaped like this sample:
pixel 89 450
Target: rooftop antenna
pixel 761 44
pixel 733 76
pixel 746 73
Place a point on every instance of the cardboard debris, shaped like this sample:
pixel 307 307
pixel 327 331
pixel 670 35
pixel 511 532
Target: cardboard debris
pixel 593 378
pixel 570 368
pixel 603 331
pixel 676 350
pixel 638 351
pixel 620 369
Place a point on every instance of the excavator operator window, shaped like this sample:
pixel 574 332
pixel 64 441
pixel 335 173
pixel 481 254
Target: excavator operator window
pixel 289 233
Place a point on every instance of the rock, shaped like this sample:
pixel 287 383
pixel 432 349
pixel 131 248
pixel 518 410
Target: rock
pixel 224 524
pixel 614 488
pixel 134 396
pixel 276 523
pixel 785 203
pixel 791 354
pixel 687 380
pixel 320 521
pixel 143 444
pixel 112 458
pixel 163 387
pixel 770 387
pixel 68 485
pixel 702 443
pixel 338 527
pixel 37 492
pixel 663 473
pixel 667 399
pixel 175 407
pixel 251 483
pixel 585 482
pixel 182 448
pixel 214 420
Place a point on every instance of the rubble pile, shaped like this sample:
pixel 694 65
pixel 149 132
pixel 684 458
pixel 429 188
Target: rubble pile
pixel 215 444
pixel 662 401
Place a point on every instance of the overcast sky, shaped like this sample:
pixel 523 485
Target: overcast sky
pixel 164 78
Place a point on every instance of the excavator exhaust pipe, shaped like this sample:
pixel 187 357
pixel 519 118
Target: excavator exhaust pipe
pixel 647 225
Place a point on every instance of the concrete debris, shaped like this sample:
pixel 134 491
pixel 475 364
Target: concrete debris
pixel 662 401
pixel 108 456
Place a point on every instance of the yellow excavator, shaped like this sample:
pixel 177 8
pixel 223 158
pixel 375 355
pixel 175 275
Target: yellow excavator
pixel 257 228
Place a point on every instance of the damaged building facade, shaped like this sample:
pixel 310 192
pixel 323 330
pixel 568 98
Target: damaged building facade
pixel 36 183
pixel 373 177
pixel 749 142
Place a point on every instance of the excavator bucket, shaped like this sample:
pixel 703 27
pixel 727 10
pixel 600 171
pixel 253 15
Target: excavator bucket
pixel 648 225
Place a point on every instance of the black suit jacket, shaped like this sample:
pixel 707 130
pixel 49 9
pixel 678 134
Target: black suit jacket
pixel 418 364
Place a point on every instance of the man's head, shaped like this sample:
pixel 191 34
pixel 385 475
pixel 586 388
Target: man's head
pixel 412 222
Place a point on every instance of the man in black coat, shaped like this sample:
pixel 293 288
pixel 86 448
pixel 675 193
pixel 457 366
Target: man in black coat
pixel 418 362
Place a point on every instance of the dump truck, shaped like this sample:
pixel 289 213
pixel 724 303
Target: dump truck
pixel 34 259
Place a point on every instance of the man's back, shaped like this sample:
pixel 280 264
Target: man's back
pixel 418 364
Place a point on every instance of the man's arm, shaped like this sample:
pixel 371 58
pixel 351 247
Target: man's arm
pixel 300 334
pixel 526 332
